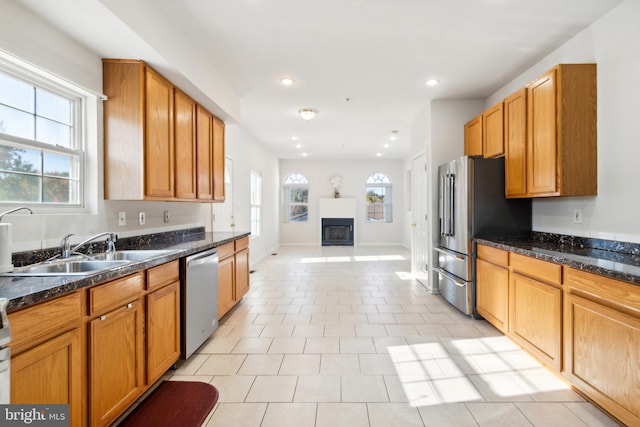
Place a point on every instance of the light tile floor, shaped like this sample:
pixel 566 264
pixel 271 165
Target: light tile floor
pixel 337 336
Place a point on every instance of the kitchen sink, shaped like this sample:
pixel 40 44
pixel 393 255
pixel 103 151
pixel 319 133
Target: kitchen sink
pixel 130 255
pixel 82 265
pixel 58 268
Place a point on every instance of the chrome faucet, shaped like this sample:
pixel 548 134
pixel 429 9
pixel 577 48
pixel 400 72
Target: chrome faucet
pixel 66 250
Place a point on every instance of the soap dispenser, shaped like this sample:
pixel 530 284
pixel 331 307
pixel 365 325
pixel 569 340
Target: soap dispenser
pixel 5 241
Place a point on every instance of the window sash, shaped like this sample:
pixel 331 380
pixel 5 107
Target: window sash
pixel 36 169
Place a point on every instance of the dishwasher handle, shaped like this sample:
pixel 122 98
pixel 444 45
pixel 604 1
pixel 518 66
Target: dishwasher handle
pixel 202 257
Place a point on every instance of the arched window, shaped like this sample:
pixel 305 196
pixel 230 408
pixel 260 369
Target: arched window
pixel 378 198
pixel 295 196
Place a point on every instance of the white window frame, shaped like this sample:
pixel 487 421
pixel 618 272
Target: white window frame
pixel 380 180
pixel 256 203
pixel 291 181
pixel 85 135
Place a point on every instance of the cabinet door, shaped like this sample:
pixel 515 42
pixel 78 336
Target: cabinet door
pixel 242 273
pixel 218 160
pixel 226 279
pixel 493 131
pixel 49 373
pixel 163 330
pixel 473 137
pixel 204 138
pixel 515 134
pixel 542 149
pixel 158 154
pixel 116 362
pixel 535 318
pixel 492 293
pixel 185 143
pixel 604 356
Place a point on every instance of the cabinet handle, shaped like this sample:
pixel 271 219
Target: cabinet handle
pixel 103 317
pixel 130 305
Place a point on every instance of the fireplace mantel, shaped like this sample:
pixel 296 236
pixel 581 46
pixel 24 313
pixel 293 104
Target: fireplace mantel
pixel 344 207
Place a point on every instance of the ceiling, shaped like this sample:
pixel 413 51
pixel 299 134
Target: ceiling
pixel 362 64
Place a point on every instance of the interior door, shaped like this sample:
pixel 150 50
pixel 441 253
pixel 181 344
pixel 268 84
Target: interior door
pixel 419 237
pixel 222 213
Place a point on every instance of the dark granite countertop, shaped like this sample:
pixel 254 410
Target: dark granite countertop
pixel 23 291
pixel 594 256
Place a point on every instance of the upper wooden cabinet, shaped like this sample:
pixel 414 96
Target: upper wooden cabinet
pixel 515 144
pixel 154 146
pixel 185 143
pixel 473 137
pixel 561 144
pixel 218 160
pixel 493 131
pixel 484 134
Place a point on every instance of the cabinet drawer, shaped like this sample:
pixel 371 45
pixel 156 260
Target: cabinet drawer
pixel 225 250
pixel 42 320
pixel 163 275
pixel 493 255
pixel 536 268
pixel 610 292
pixel 242 243
pixel 110 295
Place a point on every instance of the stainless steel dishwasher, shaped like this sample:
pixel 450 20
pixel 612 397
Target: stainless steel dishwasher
pixel 199 299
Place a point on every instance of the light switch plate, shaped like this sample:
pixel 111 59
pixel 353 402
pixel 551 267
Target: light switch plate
pixel 141 218
pixel 122 219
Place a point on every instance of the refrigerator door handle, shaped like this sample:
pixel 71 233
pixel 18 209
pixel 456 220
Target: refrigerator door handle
pixel 450 204
pixel 451 277
pixel 441 207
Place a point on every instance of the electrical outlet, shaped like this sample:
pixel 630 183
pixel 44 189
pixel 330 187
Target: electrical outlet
pixel 577 216
pixel 141 218
pixel 122 219
pixel 166 216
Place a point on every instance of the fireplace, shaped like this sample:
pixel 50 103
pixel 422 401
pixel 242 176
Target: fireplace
pixel 337 231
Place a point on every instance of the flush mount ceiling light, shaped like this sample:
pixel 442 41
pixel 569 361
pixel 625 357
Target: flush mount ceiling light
pixel 286 81
pixel 394 135
pixel 432 82
pixel 307 113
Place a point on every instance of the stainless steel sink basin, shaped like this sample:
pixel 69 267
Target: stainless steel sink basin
pixel 83 265
pixel 74 267
pixel 131 255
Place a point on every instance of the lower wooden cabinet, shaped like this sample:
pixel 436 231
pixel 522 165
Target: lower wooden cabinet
pixel 535 308
pixel 163 330
pixel 116 362
pixel 492 286
pixel 233 274
pixel 602 342
pixel 46 355
pixel 50 373
pixel 226 283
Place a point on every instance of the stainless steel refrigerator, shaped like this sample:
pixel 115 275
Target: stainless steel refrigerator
pixel 471 203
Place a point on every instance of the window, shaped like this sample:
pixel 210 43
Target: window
pixel 378 197
pixel 296 198
pixel 256 203
pixel 41 147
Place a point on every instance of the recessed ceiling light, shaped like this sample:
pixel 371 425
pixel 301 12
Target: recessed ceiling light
pixel 294 138
pixel 393 137
pixel 386 145
pixel 286 81
pixel 298 146
pixel 379 154
pixel 432 82
pixel 307 113
pixel 304 154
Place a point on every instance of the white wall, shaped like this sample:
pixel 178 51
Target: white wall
pixel 248 154
pixel 50 49
pixel 613 42
pixel 354 175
